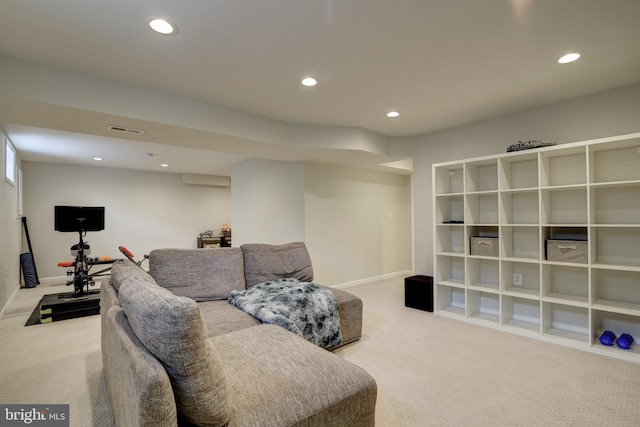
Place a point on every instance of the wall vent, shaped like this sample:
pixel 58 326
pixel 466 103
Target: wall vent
pixel 206 180
pixel 125 130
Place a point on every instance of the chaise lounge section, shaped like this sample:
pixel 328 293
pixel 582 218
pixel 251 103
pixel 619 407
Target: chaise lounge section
pixel 175 352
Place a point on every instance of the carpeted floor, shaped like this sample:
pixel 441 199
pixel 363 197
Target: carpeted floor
pixel 431 371
pixel 54 363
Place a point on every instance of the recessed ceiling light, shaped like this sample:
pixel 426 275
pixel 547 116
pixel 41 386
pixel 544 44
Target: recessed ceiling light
pixel 569 57
pixel 163 26
pixel 392 114
pixel 98 159
pixel 164 165
pixel 309 81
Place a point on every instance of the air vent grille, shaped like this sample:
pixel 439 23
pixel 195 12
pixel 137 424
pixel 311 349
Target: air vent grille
pixel 125 130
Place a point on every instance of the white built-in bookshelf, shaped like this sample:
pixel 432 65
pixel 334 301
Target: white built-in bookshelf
pixel 587 191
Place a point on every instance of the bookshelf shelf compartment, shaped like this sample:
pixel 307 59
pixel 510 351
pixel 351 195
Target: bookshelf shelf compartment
pixel 616 204
pixel 451 270
pixel 521 242
pixel 521 313
pixel 484 306
pixel 616 162
pixel 615 289
pixel 481 176
pixel 618 324
pixel 451 239
pixel 566 322
pixel 617 246
pixel 563 167
pixel 520 207
pixel 564 206
pixel 482 208
pixel 587 193
pixel 451 300
pixel 521 278
pixel 519 171
pixel 484 273
pixel 566 283
pixel 450 181
pixel 449 208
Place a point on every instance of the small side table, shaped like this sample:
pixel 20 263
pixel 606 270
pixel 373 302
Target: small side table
pixel 214 242
pixel 418 292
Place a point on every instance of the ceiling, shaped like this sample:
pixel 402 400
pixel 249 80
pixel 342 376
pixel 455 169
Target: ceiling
pixel 440 63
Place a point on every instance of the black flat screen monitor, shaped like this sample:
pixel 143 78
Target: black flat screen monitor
pixel 79 218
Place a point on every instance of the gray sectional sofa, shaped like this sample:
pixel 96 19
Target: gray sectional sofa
pixel 175 352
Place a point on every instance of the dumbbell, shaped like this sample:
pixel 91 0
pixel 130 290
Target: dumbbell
pixel 624 341
pixel 607 338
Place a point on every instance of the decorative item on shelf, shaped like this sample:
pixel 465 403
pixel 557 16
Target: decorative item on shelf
pixel 208 233
pixel 225 230
pixel 528 145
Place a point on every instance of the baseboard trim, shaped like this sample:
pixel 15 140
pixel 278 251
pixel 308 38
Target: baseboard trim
pixel 372 279
pixel 54 280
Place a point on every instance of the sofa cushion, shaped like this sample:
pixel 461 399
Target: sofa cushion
pixel 291 382
pixel 222 318
pixel 263 262
pixel 123 269
pixel 173 330
pixel 200 274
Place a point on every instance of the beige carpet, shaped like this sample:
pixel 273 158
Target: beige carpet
pixel 55 363
pixel 430 371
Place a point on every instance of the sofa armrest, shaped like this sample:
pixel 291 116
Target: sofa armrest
pixel 350 311
pixel 138 386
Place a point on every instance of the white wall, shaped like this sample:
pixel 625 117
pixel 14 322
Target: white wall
pixel 143 211
pixel 357 223
pixel 10 233
pixel 610 113
pixel 267 198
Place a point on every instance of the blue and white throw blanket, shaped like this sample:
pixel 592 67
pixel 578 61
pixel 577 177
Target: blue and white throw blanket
pixel 303 308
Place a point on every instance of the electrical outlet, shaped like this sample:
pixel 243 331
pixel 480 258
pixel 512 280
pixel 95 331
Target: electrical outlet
pixel 517 279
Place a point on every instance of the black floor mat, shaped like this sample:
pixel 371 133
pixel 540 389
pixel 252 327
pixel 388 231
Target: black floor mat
pixel 56 307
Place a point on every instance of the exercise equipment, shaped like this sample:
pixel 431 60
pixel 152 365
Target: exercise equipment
pixel 80 219
pixel 607 338
pixel 624 341
pixel 82 264
pixel 27 261
pixel 126 252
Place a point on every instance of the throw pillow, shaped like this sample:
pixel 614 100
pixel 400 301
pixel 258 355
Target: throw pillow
pixel 173 330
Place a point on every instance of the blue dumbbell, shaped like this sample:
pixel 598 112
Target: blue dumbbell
pixel 624 341
pixel 607 338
